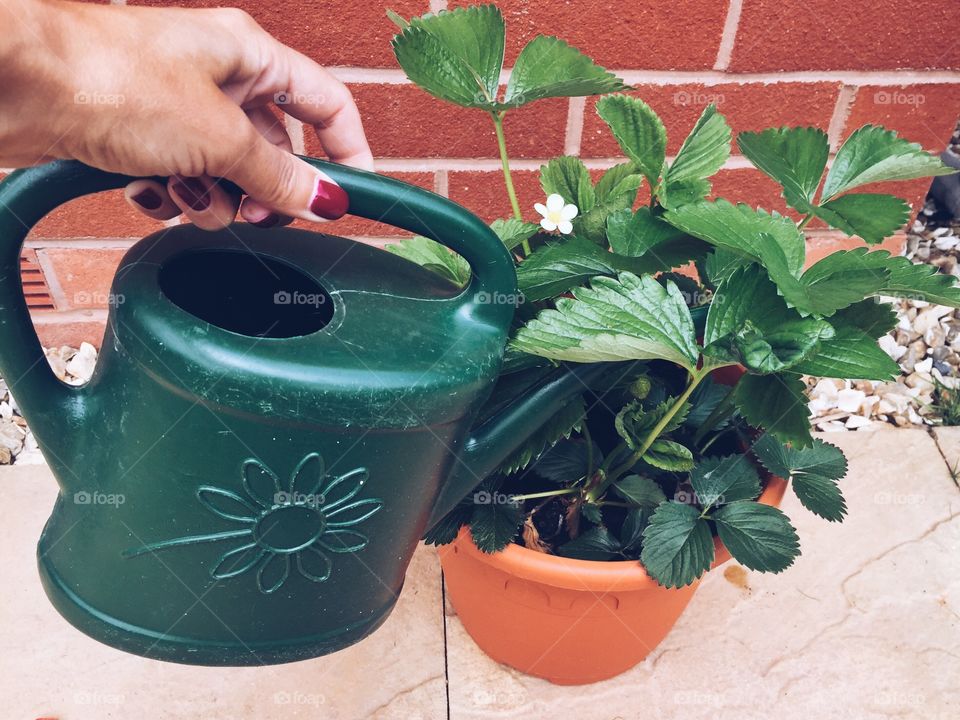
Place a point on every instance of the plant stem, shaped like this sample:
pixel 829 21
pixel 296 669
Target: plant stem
pixel 803 223
pixel 586 436
pixel 507 177
pixel 546 493
pixel 720 412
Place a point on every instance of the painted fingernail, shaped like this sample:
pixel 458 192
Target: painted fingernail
pixel 268 221
pixel 192 191
pixel 148 199
pixel 330 201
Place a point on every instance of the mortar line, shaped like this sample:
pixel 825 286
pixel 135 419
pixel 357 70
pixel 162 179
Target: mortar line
pixel 574 130
pixel 729 35
pixel 841 114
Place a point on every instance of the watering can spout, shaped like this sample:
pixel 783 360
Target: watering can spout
pixel 490 443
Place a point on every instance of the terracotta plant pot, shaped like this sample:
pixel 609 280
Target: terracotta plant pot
pixel 571 622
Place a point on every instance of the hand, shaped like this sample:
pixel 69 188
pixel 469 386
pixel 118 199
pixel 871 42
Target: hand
pixel 183 93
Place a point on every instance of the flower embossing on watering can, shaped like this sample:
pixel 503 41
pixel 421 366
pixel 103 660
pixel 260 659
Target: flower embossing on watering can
pixel 280 528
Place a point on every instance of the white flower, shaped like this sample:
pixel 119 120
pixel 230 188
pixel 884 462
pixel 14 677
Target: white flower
pixel 557 214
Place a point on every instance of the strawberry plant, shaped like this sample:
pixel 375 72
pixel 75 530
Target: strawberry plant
pixel 663 456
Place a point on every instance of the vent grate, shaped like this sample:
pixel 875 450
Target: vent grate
pixel 35 287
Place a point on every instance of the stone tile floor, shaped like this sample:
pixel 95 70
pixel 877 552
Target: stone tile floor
pixel 865 625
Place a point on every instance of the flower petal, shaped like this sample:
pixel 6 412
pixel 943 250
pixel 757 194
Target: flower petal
pixel 343 541
pixel 261 483
pixel 569 212
pixel 541 208
pixel 565 227
pixel 349 484
pixel 226 504
pixel 237 561
pixel 548 225
pixel 555 202
pixel 273 573
pixel 313 564
pixel 308 475
pixel 354 513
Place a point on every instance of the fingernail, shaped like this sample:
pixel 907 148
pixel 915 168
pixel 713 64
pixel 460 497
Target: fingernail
pixel 268 221
pixel 148 199
pixel 329 201
pixel 192 191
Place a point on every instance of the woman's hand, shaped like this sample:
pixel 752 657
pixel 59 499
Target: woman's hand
pixel 182 93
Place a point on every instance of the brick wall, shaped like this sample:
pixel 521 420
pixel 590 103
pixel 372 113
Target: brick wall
pixel 764 62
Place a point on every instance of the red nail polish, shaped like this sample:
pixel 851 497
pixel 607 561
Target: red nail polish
pixel 268 221
pixel 148 199
pixel 192 191
pixel 329 201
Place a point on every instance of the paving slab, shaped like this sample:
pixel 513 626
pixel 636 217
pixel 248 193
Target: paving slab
pixel 865 625
pixel 948 439
pixel 48 669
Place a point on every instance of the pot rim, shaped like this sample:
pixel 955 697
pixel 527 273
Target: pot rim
pixel 588 575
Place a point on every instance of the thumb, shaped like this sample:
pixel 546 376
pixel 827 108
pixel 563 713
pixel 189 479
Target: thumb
pixel 286 184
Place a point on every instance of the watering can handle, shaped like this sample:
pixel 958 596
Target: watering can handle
pixel 29 194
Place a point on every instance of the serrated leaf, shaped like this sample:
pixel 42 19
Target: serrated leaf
pixel 777 404
pixel 834 282
pixel 874 154
pixel 620 180
pixel 853 352
pixel 633 422
pixel 565 462
pixel 677 545
pixel 455 55
pixel 758 536
pixel 635 521
pixel 639 132
pixel 639 491
pixel 794 157
pixel 869 216
pixel 569 178
pixel 668 455
pixel 702 154
pixel 628 318
pixel 549 67
pixel 434 257
pixel 720 264
pixel 637 233
pixel 705 399
pixel 723 480
pixel 740 229
pixel 513 232
pixel 495 524
pixel 566 421
pixel 597 543
pixel 813 472
pixel 592 512
pixel 920 282
pixel 446 531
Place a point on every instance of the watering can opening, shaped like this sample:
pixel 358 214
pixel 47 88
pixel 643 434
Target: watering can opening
pixel 246 293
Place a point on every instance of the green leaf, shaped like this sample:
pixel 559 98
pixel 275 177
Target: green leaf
pixel 723 480
pixel 637 233
pixel 495 524
pixel 640 491
pixel 446 531
pixel 597 543
pixel 677 545
pixel 920 282
pixel 853 352
pixel 874 154
pixel 592 512
pixel 639 132
pixel 719 264
pixel 838 280
pixel 549 67
pixel 703 153
pixel 566 421
pixel 565 462
pixel 434 257
pixel 513 232
pixel 633 422
pixel 668 455
pixel 630 318
pixel 775 403
pixel 869 216
pixel 569 178
pixel 455 55
pixel 620 180
pixel 794 157
pixel 635 522
pixel 813 472
pixel 758 536
pixel 753 234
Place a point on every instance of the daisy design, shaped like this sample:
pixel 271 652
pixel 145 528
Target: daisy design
pixel 557 214
pixel 282 528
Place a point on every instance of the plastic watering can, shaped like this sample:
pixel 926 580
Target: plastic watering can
pixel 275 419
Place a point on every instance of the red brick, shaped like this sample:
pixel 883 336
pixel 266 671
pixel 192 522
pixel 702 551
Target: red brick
pixel 924 114
pixel 404 121
pixel 857 34
pixel 751 106
pixel 102 215
pixel 485 194
pixel 84 274
pixel 649 35
pixel 352 226
pixel 332 32
pixel 56 331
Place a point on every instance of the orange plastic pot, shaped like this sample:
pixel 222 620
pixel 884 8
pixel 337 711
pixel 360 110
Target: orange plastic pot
pixel 568 621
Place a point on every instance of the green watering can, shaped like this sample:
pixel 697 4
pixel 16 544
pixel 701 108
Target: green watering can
pixel 276 418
